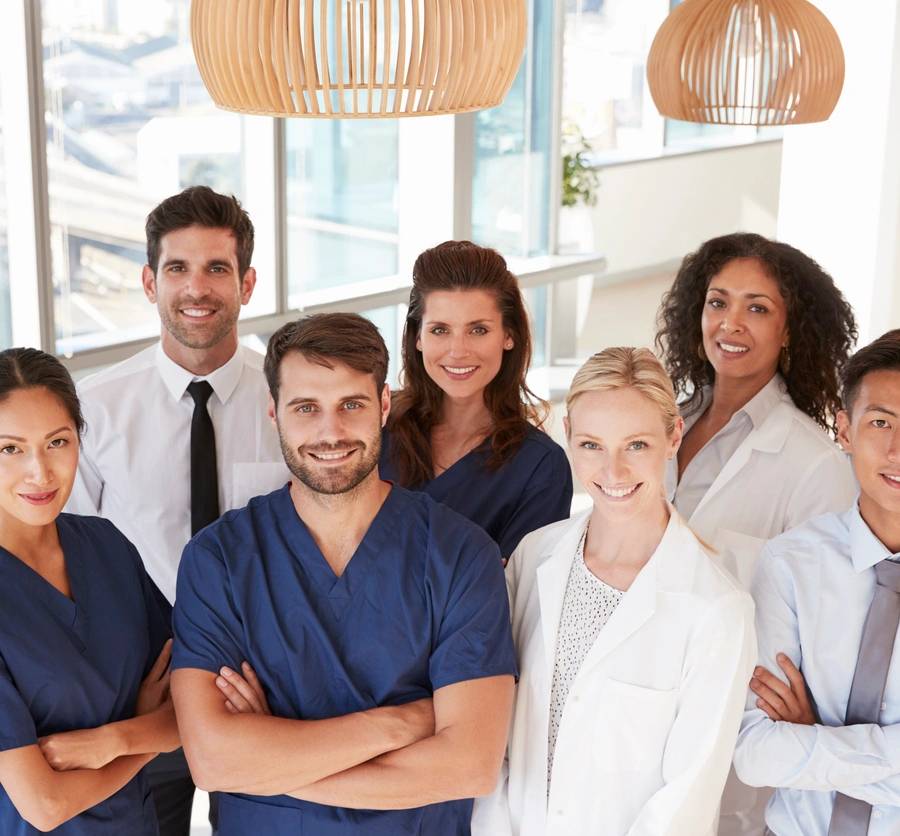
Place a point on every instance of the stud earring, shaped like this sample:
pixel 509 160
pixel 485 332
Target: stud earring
pixel 784 360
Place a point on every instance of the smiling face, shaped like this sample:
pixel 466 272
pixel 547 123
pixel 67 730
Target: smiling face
pixel 870 432
pixel 197 287
pixel 744 322
pixel 462 341
pixel 329 422
pixel 619 449
pixel 38 456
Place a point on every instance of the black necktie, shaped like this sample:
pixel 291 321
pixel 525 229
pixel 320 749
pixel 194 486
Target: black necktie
pixel 204 478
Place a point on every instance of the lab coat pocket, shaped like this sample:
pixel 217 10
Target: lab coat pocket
pixel 738 553
pixel 635 724
pixel 251 479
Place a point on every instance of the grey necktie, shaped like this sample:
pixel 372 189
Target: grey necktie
pixel 850 816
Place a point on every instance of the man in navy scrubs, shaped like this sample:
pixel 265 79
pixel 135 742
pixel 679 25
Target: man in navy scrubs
pixel 357 603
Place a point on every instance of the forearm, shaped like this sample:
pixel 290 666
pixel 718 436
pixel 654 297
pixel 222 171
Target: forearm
pixel 61 796
pixel 264 755
pixel 823 758
pixel 147 734
pixel 437 769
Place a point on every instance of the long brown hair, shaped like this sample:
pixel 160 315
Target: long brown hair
pixel 514 408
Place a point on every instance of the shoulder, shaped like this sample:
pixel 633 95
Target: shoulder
pixel 691 568
pixel 796 547
pixel 108 381
pixel 100 541
pixel 803 434
pixel 253 361
pixel 441 524
pixel 539 449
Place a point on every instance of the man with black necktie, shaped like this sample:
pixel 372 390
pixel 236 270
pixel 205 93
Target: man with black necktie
pixel 822 723
pixel 178 433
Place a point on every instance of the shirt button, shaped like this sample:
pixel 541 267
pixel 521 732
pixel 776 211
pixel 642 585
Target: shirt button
pixel 876 814
pixel 884 706
pixel 559 812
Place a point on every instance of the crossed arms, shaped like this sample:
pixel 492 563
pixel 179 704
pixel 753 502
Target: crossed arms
pixel 386 758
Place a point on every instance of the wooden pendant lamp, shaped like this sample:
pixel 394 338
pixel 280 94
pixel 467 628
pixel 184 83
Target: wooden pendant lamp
pixel 358 58
pixel 746 62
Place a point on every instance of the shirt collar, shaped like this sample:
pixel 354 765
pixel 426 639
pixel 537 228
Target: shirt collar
pixel 224 380
pixel 757 409
pixel 865 548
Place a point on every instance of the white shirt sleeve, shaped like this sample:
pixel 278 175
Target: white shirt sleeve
pixel 700 745
pixel 792 755
pixel 87 492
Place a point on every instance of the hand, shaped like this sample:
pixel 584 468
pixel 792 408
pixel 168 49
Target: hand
pixel 788 702
pixel 243 694
pixel 80 749
pixel 154 689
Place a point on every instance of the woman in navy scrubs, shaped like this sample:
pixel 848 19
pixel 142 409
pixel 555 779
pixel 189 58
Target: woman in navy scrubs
pixel 465 428
pixel 84 633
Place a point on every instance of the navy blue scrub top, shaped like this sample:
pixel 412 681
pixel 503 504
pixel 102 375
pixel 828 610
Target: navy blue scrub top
pixel 76 664
pixel 531 490
pixel 421 605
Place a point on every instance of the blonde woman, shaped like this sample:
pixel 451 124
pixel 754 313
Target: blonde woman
pixel 635 648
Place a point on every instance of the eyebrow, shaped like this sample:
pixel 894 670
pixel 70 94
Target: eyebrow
pixel 724 292
pixel 482 321
pixel 300 399
pixel 19 438
pixel 874 407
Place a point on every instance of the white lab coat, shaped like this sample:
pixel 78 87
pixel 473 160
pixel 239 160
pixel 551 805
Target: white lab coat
pixel 786 471
pixel 651 720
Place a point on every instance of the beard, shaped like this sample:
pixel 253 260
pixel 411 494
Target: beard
pixel 198 335
pixel 331 481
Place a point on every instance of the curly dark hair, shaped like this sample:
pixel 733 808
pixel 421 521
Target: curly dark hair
pixel 820 322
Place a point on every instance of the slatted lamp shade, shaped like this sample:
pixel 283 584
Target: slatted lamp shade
pixel 358 58
pixel 746 62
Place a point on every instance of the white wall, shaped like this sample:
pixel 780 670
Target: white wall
pixel 653 212
pixel 840 189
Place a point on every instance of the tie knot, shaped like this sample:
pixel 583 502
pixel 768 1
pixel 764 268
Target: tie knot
pixel 200 391
pixel 888 574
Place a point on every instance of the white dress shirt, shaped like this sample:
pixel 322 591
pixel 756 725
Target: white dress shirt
pixel 648 730
pixel 768 470
pixel 813 589
pixel 135 464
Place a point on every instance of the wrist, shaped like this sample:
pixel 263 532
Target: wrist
pixel 392 721
pixel 115 741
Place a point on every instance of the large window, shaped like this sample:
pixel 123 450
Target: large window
pixel 128 123
pixel 605 94
pixel 513 147
pixel 5 313
pixel 342 213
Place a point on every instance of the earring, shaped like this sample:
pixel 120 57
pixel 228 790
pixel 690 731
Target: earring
pixel 784 360
pixel 508 345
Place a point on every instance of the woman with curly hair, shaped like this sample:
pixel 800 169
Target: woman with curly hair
pixel 465 428
pixel 754 335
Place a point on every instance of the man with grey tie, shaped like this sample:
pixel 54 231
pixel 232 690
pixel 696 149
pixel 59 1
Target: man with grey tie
pixel 822 723
pixel 178 433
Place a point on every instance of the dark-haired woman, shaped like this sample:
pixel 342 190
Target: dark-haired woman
pixel 83 635
pixel 755 334
pixel 465 428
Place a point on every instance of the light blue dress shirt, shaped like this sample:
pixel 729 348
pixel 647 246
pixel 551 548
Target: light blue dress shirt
pixel 813 588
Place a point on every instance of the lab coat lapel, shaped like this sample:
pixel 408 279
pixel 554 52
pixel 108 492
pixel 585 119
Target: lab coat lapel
pixel 768 438
pixel 552 577
pixel 634 610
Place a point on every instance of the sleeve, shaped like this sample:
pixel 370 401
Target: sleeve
pixel 827 486
pixel 157 608
pixel 546 498
pixel 700 745
pixel 208 630
pixel 17 727
pixel 474 637
pixel 792 755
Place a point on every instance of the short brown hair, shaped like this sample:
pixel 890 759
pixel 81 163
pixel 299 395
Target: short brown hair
pixel 200 206
pixel 325 338
pixel 881 355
